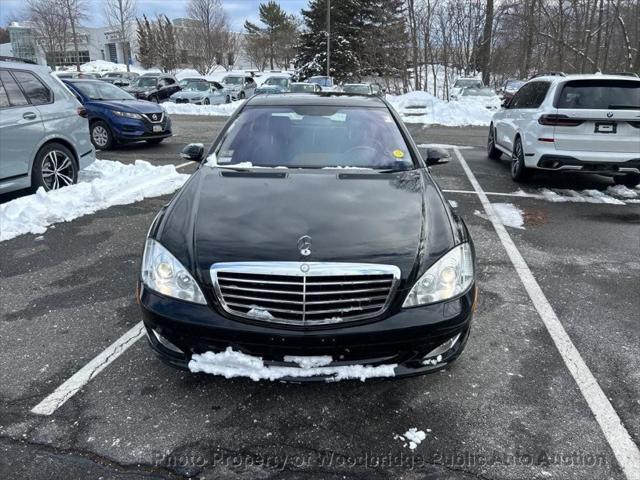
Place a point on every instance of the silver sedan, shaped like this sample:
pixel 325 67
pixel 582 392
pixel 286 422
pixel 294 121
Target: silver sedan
pixel 201 93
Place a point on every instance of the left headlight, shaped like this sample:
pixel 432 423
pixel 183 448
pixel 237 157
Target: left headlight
pixel 163 273
pixel 137 116
pixel 450 276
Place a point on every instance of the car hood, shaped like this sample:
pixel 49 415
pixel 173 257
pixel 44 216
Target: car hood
pixel 135 106
pixel 184 94
pixel 139 89
pixel 228 216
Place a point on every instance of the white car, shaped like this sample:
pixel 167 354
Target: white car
pixel 484 97
pixel 578 123
pixel 461 83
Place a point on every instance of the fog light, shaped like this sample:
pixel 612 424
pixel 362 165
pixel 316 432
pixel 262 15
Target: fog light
pixel 166 343
pixel 439 351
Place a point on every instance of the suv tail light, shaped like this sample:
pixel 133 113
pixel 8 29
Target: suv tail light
pixel 82 112
pixel 558 121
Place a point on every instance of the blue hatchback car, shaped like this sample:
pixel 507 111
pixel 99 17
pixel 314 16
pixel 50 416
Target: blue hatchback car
pixel 116 116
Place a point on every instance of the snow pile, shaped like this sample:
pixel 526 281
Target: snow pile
pixel 510 215
pixel 230 364
pixel 413 436
pixel 101 185
pixel 222 110
pixel 422 107
pixel 623 192
pixel 584 196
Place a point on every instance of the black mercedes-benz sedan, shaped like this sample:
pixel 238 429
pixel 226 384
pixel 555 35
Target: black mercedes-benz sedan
pixel 311 243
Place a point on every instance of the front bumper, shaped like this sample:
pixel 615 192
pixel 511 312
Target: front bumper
pixel 133 130
pixel 404 338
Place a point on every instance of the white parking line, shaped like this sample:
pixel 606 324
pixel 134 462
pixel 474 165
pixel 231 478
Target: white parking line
pixel 625 450
pixel 79 379
pixel 184 164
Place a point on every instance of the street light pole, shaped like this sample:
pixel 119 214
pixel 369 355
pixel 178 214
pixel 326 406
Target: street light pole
pixel 328 37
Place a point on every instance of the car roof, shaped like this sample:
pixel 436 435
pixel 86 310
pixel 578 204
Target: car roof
pixel 582 76
pixel 317 99
pixel 24 66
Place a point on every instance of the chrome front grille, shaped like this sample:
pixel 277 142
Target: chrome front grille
pixel 305 294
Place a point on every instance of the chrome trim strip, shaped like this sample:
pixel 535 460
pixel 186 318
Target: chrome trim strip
pixel 305 273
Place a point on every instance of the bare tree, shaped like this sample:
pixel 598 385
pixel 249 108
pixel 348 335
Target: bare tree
pixel 484 50
pixel 209 32
pixel 51 28
pixel 75 12
pixel 121 14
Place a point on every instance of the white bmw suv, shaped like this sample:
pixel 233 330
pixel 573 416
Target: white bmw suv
pixel 581 123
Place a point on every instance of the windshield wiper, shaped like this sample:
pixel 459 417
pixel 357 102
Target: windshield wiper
pixel 624 107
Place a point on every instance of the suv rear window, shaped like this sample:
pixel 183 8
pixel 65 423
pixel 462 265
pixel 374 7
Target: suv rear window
pixel 34 89
pixel 16 98
pixel 315 137
pixel 600 95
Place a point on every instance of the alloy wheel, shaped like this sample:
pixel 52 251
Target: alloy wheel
pixel 515 159
pixel 100 136
pixel 58 170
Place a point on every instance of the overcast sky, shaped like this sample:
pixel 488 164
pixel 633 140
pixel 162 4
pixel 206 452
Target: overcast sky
pixel 238 10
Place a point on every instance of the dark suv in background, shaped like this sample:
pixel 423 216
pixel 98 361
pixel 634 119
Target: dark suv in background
pixel 155 88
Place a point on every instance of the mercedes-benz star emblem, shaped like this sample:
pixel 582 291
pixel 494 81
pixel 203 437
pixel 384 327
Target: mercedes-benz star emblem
pixel 304 245
pixel 609 114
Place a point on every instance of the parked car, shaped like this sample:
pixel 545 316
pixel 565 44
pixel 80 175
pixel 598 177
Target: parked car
pixel 509 88
pixel 116 116
pixel 277 84
pixel 484 96
pixel 377 89
pixel 300 87
pixel 574 123
pixel 120 79
pixel 239 86
pixel 234 262
pixel 68 75
pixel 187 80
pixel 461 83
pixel 44 132
pixel 201 93
pixel 155 88
pixel 357 88
pixel 325 83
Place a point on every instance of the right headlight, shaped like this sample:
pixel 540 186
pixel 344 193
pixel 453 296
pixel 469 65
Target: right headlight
pixel 163 273
pixel 450 276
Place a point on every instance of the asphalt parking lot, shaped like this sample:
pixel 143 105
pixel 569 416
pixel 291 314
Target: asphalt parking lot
pixel 548 386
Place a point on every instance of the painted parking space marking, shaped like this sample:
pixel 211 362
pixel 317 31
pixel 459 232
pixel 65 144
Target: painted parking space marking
pixel 621 443
pixel 79 379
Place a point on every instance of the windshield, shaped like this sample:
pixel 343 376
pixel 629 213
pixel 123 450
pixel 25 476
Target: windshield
pixel 362 89
pixel 144 82
pixel 601 95
pixel 277 81
pixel 314 137
pixel 513 86
pixel 477 92
pixel 196 87
pixel 102 91
pixel 302 87
pixel 322 81
pixel 233 80
pixel 468 83
pixel 113 75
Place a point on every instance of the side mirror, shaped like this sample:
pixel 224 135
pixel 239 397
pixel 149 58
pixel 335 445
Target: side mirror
pixel 193 152
pixel 435 156
pixel 505 103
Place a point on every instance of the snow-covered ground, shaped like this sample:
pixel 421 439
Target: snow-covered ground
pixel 222 110
pixel 230 364
pixel 101 185
pixel 614 195
pixel 422 107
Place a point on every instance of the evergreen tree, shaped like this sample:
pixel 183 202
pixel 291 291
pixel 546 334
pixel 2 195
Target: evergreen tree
pixel 276 38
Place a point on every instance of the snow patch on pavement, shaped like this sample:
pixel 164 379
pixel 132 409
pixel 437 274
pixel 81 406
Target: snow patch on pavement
pixel 413 436
pixel 509 214
pixel 422 107
pixel 222 110
pixel 230 364
pixel 584 196
pixel 101 185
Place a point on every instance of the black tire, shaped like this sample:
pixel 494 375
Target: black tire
pixel 101 135
pixel 54 167
pixel 154 99
pixel 629 180
pixel 241 96
pixel 154 141
pixel 519 172
pixel 492 152
pixel 206 101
